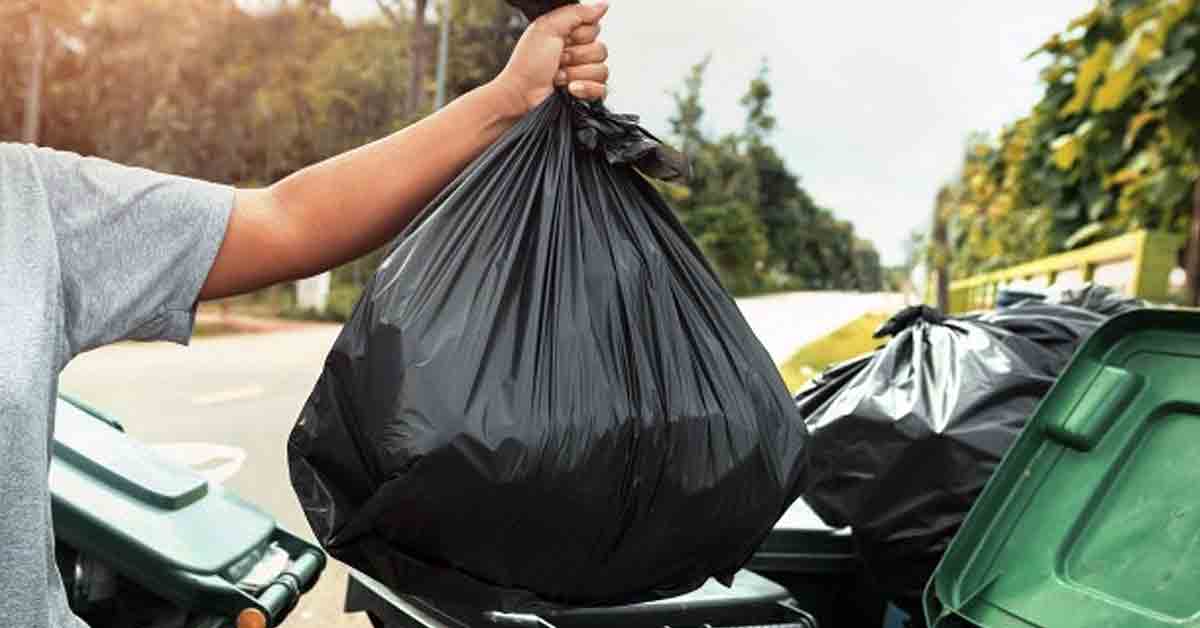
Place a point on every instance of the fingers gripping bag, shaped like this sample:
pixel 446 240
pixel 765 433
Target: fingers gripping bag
pixel 535 8
pixel 544 395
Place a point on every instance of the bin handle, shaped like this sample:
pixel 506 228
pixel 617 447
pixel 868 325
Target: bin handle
pixel 1105 400
pixel 282 594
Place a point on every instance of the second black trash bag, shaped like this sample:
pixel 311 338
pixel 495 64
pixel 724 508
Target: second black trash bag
pixel 544 395
pixel 904 439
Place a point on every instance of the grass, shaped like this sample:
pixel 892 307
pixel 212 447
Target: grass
pixel 848 341
pixel 205 329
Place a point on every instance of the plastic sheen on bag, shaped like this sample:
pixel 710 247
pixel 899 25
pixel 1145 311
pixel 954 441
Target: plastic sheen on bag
pixel 903 440
pixel 1061 319
pixel 544 395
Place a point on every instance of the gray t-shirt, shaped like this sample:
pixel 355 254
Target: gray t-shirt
pixel 90 253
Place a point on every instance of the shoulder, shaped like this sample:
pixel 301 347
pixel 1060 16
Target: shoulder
pixel 13 151
pixel 22 186
pixel 13 157
pixel 26 162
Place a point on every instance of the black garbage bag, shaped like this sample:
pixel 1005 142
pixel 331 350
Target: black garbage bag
pixel 1093 297
pixel 1059 329
pixel 536 8
pixel 544 395
pixel 1061 319
pixel 1096 298
pixel 904 440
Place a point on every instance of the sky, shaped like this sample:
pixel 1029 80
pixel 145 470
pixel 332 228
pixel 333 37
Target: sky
pixel 875 100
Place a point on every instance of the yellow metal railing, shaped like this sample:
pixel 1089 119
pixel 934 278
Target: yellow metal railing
pixel 1139 264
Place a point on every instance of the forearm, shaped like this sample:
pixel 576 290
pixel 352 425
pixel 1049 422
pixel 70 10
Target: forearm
pixel 346 206
pixel 340 209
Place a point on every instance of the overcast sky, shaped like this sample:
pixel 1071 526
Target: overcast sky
pixel 874 99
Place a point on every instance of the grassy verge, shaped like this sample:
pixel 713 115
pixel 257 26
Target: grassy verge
pixel 205 328
pixel 851 340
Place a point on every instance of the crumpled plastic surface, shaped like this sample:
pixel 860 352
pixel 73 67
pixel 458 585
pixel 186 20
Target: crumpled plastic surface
pixel 1059 329
pixel 544 397
pixel 903 440
pixel 1061 319
pixel 1097 298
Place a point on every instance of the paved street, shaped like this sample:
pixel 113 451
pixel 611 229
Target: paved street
pixel 785 322
pixel 241 394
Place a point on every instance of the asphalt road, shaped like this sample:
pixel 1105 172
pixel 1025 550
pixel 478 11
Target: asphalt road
pixel 229 403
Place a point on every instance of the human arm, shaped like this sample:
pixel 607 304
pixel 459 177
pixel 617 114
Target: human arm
pixel 344 207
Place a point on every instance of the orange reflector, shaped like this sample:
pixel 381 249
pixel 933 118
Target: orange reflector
pixel 251 618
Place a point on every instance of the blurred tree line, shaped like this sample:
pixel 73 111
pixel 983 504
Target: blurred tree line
pixel 207 89
pixel 1113 145
pixel 749 211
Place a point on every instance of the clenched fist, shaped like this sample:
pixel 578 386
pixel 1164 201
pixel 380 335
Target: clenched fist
pixel 559 49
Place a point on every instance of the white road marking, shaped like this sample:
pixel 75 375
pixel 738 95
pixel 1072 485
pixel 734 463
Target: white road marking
pixel 217 463
pixel 226 396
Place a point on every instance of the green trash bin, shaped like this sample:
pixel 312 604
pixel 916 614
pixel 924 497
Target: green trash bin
pixel 1093 519
pixel 138 536
pixel 821 568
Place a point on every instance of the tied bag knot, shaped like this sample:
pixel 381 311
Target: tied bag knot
pixel 616 136
pixel 621 140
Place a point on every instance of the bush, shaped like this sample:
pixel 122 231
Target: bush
pixel 342 298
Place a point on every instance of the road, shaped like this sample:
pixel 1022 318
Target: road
pixel 238 397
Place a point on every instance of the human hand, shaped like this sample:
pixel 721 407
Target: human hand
pixel 558 49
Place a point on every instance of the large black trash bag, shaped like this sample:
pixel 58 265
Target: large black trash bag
pixel 544 395
pixel 1097 298
pixel 1062 318
pixel 1059 329
pixel 903 440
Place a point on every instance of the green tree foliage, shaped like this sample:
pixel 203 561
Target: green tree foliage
pixel 483 36
pixel 1111 147
pixel 205 89
pixel 748 210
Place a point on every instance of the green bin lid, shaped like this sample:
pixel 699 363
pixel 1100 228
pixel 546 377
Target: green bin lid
pixel 114 496
pixel 1093 519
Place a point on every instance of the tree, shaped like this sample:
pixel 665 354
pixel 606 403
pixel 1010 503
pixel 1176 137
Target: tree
pixel 1111 147
pixel 685 124
pixel 757 101
pixel 37 69
pixel 483 38
pixel 734 240
pixel 783 206
pixel 748 211
pixel 36 26
pixel 939 251
pixel 420 45
pixel 869 275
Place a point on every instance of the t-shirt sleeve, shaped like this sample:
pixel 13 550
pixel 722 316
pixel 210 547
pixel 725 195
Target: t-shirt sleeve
pixel 135 247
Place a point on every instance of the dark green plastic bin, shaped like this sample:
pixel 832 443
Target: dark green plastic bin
pixel 820 567
pixel 1093 519
pixel 167 529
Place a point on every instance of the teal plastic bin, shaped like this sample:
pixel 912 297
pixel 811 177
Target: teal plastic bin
pixel 166 529
pixel 1093 519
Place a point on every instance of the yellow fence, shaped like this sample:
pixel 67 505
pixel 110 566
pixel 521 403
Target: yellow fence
pixel 1139 264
